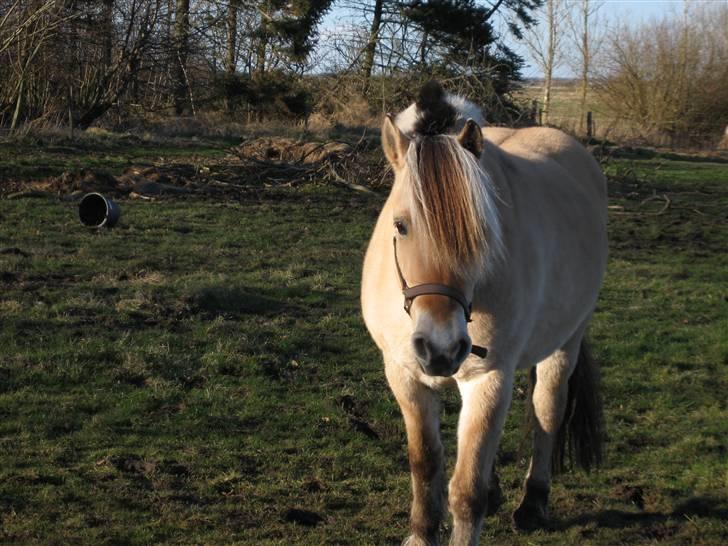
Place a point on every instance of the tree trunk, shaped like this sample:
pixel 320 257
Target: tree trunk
pixel 550 56
pixel 585 61
pixel 232 36
pixel 423 49
pixel 181 52
pixel 91 114
pixel 682 84
pixel 260 57
pixel 231 58
pixel 545 111
pixel 371 47
pixel 107 23
pixel 18 103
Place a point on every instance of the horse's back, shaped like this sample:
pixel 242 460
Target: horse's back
pixel 534 143
pixel 497 135
pixel 543 139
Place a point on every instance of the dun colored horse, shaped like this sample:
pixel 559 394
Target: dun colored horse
pixel 487 257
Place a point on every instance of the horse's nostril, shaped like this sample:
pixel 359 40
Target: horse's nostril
pixel 420 345
pixel 461 350
pixel 440 365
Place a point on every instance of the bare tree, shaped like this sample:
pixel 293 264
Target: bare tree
pixel 543 41
pixel 666 80
pixel 372 43
pixel 18 16
pixel 586 38
pixel 35 24
pixel 110 65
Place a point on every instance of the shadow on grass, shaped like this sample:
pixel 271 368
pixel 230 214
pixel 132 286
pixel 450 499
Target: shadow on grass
pixel 707 507
pixel 236 301
pixel 630 152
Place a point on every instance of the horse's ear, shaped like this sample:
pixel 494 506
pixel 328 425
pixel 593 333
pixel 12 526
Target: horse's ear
pixel 394 142
pixel 471 138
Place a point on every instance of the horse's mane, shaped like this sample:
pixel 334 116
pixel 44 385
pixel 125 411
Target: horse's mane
pixel 453 197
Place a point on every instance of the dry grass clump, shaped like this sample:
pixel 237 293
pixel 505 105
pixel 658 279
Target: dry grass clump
pixel 347 109
pixel 290 150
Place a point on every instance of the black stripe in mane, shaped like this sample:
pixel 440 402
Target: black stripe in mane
pixel 436 115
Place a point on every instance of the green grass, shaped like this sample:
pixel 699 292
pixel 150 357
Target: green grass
pixel 201 370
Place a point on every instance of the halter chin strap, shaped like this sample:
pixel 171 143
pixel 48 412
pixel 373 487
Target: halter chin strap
pixel 411 292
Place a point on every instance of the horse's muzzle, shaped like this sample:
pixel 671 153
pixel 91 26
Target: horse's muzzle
pixel 436 361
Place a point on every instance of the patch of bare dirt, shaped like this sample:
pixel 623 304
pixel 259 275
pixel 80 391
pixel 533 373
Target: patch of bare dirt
pixel 81 181
pixel 256 163
pixel 136 181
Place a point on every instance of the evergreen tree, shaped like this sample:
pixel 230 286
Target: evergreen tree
pixel 287 31
pixel 463 42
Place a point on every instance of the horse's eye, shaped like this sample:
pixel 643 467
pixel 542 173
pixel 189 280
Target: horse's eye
pixel 401 227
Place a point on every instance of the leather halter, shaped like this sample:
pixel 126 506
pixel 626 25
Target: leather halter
pixel 411 292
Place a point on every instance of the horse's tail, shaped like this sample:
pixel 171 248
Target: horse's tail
pixel 581 433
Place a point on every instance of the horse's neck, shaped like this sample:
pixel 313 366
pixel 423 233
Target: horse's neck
pixel 493 162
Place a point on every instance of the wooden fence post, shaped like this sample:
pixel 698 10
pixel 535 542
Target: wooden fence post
pixel 589 125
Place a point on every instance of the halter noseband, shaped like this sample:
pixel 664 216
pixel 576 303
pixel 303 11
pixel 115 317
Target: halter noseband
pixel 411 292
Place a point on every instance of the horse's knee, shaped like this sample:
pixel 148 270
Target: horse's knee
pixel 425 463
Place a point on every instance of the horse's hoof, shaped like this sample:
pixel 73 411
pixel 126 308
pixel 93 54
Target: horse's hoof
pixel 413 540
pixel 532 514
pixel 529 518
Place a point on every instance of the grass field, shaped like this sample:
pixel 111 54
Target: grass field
pixel 565 99
pixel 201 373
pixel 565 114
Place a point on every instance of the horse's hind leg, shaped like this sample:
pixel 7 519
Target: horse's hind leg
pixel 420 409
pixel 549 402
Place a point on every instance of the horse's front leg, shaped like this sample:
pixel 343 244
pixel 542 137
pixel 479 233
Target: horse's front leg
pixel 485 402
pixel 420 409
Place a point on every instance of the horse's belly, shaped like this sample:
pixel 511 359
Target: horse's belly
pixel 566 303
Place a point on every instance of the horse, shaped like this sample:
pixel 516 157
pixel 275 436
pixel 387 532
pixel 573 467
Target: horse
pixel 487 257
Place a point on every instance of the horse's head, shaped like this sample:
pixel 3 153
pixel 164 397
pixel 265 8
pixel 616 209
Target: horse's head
pixel 441 206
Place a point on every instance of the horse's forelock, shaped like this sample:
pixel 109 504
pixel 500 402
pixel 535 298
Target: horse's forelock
pixel 453 204
pixel 436 114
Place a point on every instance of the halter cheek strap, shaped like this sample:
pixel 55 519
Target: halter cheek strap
pixel 411 292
